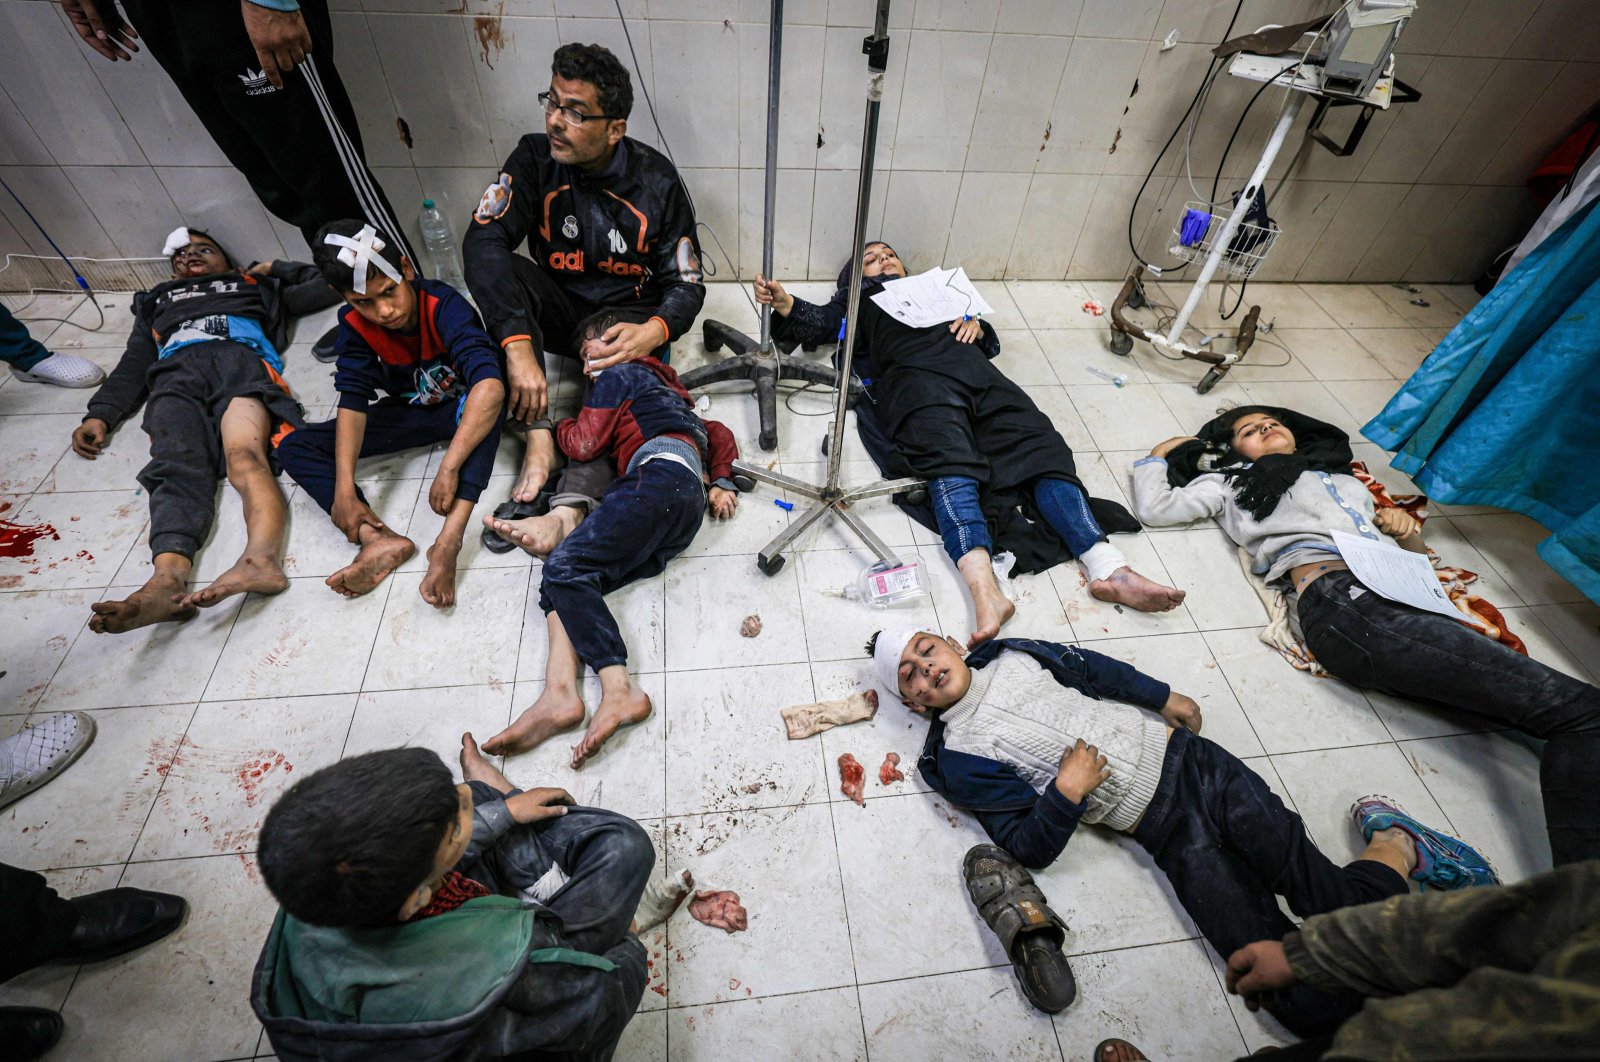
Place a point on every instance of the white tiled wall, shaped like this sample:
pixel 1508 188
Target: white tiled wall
pixel 1013 137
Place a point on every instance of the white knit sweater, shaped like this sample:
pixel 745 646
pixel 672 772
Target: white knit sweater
pixel 1017 713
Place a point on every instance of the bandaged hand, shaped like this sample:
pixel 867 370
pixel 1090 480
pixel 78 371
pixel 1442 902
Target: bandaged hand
pixel 1181 712
pixel 967 329
pixel 1082 770
pixel 722 502
pixel 1396 523
pixel 534 805
pixel 89 439
pixel 1257 969
pixel 280 38
pixel 771 293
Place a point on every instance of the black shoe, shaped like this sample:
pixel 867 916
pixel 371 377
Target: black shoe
pixel 1031 933
pixel 323 349
pixel 26 1033
pixel 121 920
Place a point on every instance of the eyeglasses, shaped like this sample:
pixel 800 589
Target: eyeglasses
pixel 201 249
pixel 569 115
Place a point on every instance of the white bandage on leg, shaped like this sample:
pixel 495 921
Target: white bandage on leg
pixel 1101 559
pixel 361 252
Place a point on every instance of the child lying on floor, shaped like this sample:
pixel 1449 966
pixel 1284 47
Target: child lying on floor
pixel 673 467
pixel 420 343
pixel 205 348
pixel 1028 735
pixel 426 919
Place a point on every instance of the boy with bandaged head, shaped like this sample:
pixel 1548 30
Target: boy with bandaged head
pixel 419 344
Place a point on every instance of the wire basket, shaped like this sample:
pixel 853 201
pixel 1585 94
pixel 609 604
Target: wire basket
pixel 1198 230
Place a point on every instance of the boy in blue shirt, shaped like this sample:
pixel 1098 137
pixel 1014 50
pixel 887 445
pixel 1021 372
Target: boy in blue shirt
pixel 420 344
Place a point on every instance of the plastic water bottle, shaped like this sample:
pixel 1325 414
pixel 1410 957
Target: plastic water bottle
pixel 441 245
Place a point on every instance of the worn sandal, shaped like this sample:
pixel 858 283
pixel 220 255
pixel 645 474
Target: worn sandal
pixel 515 510
pixel 1011 904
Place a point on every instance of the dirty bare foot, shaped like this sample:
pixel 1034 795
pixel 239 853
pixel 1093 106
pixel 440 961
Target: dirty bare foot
pixel 558 709
pixel 382 555
pixel 660 899
pixel 475 766
pixel 158 601
pixel 1127 587
pixel 992 608
pixel 620 707
pixel 439 585
pixel 249 575
pixel 539 535
pixel 1118 1050
pixel 537 462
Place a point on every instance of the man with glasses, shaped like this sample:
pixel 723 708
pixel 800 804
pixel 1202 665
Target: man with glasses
pixel 609 224
pixel 205 350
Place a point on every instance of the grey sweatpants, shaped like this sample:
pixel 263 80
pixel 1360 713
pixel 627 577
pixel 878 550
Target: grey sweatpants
pixel 189 393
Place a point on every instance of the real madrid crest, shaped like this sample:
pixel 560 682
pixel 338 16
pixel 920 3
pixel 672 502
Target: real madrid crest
pixel 569 227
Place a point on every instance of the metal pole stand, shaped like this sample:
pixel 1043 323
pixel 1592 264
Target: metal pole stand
pixel 832 497
pixel 759 361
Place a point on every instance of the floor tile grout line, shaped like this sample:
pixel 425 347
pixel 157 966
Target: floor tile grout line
pixel 844 901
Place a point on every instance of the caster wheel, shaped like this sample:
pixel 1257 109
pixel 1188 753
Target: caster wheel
pixel 1121 343
pixel 768 440
pixel 713 344
pixel 1136 299
pixel 770 568
pixel 746 484
pixel 1208 381
pixel 917 497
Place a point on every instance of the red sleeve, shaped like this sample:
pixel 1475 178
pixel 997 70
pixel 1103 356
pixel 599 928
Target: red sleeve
pixel 723 450
pixel 588 435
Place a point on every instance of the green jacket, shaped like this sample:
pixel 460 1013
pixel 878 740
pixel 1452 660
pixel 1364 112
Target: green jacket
pixel 1507 972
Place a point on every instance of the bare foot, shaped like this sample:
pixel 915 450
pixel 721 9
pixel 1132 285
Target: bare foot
pixel 992 609
pixel 1118 1050
pixel 158 601
pixel 475 766
pixel 660 899
pixel 615 711
pixel 1127 587
pixel 249 575
pixel 537 462
pixel 439 585
pixel 539 535
pixel 376 560
pixel 558 709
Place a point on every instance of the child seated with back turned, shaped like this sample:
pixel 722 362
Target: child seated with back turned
pixel 1030 737
pixel 424 919
pixel 421 344
pixel 672 466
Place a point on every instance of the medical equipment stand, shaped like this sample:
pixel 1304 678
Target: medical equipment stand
pixel 831 497
pixel 753 360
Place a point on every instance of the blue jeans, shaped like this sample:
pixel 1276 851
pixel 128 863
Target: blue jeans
pixel 1377 644
pixel 18 349
pixel 646 518
pixel 963 528
pixel 1230 847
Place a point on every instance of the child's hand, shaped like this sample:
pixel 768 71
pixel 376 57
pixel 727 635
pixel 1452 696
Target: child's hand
pixel 90 438
pixel 1257 969
pixel 534 805
pixel 442 495
pixel 1182 712
pixel 1396 523
pixel 1081 772
pixel 723 502
pixel 350 513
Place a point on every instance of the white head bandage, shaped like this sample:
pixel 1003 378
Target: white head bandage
pixel 886 655
pixel 177 239
pixel 361 252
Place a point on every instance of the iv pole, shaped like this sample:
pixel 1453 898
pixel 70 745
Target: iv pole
pixel 831 497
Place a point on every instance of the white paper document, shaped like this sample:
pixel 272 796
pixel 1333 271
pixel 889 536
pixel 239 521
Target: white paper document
pixel 938 296
pixel 1395 573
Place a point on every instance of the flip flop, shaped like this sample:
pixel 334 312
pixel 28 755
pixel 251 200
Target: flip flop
pixel 515 510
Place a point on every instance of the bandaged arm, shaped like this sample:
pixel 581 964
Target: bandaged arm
pixel 1160 504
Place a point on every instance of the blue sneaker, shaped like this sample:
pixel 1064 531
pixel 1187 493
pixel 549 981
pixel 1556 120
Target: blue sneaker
pixel 1442 861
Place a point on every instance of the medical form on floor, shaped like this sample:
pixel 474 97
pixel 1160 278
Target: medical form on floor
pixel 1394 573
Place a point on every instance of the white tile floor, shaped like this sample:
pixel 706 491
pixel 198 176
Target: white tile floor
pixel 862 942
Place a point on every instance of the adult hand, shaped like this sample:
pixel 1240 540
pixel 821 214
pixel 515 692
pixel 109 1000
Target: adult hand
pixel 1181 711
pixel 723 502
pixel 261 269
pixel 102 27
pixel 532 805
pixel 525 375
pixel 350 514
pixel 967 329
pixel 1396 523
pixel 280 39
pixel 1162 449
pixel 1081 772
pixel 771 293
pixel 626 342
pixel 1259 968
pixel 90 438
pixel 442 495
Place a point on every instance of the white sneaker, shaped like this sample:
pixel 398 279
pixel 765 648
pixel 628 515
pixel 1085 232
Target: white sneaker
pixel 64 370
pixel 35 754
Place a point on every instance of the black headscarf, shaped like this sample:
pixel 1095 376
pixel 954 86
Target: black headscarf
pixel 1258 485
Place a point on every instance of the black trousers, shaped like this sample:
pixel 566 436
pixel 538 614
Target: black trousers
pixel 298 146
pixel 35 923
